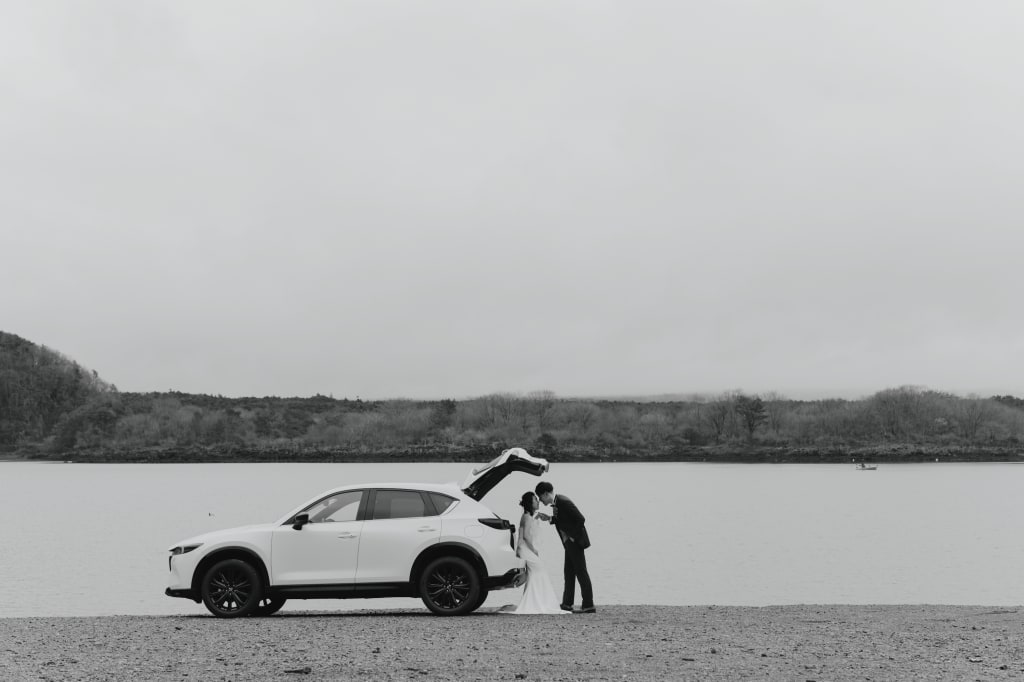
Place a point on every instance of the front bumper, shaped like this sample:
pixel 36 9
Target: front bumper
pixel 182 567
pixel 184 594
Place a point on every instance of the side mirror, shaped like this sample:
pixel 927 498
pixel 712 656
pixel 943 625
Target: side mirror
pixel 300 520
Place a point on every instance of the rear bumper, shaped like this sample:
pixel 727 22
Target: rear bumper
pixel 184 594
pixel 504 581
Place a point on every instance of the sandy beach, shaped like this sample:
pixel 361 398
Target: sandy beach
pixel 618 643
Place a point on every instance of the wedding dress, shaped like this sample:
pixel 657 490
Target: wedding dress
pixel 538 593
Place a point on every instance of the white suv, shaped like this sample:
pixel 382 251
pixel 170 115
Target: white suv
pixel 427 540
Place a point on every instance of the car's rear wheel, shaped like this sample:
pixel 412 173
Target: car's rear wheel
pixel 268 606
pixel 450 586
pixel 481 599
pixel 231 588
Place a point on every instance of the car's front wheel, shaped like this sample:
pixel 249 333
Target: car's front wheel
pixel 450 586
pixel 269 606
pixel 232 588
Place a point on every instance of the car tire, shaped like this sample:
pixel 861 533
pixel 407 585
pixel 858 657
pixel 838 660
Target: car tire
pixel 480 600
pixel 268 606
pixel 231 589
pixel 450 586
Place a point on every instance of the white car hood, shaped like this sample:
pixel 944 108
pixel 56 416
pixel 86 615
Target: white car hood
pixel 224 534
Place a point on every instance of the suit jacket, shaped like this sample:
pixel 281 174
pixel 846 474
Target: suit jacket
pixel 570 522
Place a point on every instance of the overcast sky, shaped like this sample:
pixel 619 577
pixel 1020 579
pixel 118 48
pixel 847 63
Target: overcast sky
pixel 432 199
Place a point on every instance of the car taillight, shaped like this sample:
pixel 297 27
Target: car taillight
pixel 500 524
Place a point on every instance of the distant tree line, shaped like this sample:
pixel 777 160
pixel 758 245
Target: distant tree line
pixel 321 427
pixel 52 408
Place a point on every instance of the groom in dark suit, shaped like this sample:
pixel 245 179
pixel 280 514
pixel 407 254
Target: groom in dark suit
pixel 571 529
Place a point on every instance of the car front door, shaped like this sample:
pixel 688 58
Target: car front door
pixel 323 551
pixel 399 525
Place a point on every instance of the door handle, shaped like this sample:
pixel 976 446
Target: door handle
pixel 348 536
pixel 426 529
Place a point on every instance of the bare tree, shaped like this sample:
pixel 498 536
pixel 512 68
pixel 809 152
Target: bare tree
pixel 972 413
pixel 502 408
pixel 898 409
pixel 775 410
pixel 541 404
pixel 583 415
pixel 832 418
pixel 718 412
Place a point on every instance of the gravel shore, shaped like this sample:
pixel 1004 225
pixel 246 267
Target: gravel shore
pixel 618 643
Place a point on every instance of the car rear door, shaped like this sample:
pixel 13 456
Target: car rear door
pixel 400 523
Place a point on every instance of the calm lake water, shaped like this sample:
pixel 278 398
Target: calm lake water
pixel 92 539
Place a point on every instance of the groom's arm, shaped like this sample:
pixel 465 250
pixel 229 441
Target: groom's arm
pixel 569 513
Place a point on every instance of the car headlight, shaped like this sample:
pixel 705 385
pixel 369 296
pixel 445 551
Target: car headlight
pixel 184 549
pixel 180 549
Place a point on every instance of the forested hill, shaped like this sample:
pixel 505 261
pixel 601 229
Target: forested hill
pixel 38 386
pixel 52 408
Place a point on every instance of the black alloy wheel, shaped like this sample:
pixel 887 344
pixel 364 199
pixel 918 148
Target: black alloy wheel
pixel 232 588
pixel 450 586
pixel 268 606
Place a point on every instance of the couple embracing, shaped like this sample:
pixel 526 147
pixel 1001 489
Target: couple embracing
pixel 538 593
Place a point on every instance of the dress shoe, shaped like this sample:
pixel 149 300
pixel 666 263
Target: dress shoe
pixel 588 609
pixel 565 607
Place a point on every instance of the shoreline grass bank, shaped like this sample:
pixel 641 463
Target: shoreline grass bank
pixel 804 642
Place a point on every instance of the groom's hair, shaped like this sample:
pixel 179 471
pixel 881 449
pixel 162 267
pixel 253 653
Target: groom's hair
pixel 543 487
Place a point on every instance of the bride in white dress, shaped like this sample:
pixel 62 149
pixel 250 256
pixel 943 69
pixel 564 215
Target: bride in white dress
pixel 538 593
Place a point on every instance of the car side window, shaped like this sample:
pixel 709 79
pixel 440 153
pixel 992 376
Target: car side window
pixel 398 504
pixel 339 507
pixel 441 502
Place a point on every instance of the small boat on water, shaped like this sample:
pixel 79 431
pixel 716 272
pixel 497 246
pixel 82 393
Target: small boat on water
pixel 866 467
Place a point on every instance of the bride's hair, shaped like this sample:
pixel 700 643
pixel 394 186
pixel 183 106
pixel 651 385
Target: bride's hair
pixel 529 502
